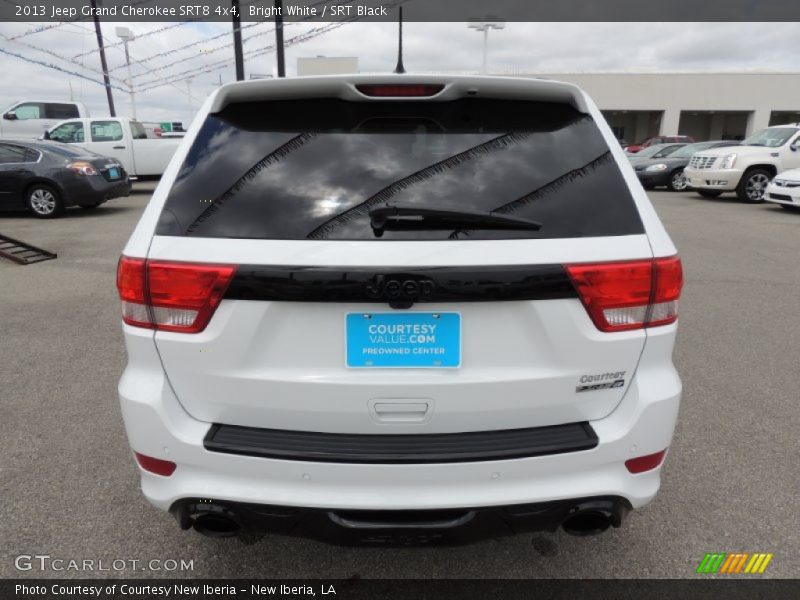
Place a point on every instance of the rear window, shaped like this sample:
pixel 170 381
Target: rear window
pixel 314 169
pixel 61 111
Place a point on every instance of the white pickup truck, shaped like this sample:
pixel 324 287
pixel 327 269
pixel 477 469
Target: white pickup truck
pixel 121 138
pixel 29 119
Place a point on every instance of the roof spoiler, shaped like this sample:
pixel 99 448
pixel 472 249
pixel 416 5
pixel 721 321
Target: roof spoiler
pixel 345 87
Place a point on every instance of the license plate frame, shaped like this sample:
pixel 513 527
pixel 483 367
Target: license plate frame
pixel 387 347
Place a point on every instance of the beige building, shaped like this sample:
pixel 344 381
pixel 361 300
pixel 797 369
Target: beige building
pixel 704 105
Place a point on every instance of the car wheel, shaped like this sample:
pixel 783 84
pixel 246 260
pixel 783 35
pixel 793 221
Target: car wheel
pixel 753 185
pixel 709 193
pixel 44 201
pixel 88 206
pixel 677 181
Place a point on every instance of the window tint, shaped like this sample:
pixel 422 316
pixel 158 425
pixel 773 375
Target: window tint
pixel 314 169
pixel 68 133
pixel 12 154
pixel 29 110
pixel 61 111
pixel 137 131
pixel 106 131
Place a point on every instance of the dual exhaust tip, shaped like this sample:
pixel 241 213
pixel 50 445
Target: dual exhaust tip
pixel 592 518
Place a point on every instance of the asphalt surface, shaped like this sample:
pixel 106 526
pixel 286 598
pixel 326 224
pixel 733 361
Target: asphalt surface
pixel 70 490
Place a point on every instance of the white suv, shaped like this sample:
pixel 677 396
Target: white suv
pixel 746 169
pixel 381 309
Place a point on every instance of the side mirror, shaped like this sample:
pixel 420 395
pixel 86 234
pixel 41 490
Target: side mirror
pixel 795 145
pixel 10 116
pixel 46 135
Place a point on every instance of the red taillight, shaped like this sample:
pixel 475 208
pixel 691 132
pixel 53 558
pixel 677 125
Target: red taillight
pixel 131 287
pixel 155 465
pixel 170 296
pixel 400 90
pixel 621 296
pixel 641 464
pixel 81 167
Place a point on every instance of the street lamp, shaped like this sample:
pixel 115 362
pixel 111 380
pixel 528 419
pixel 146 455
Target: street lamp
pixel 484 25
pixel 126 35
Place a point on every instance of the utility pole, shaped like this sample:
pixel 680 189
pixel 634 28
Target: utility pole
pixel 126 35
pixel 189 98
pixel 237 40
pixel 279 37
pixel 103 62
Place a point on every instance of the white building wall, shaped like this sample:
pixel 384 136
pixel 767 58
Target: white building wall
pixel 756 93
pixel 327 65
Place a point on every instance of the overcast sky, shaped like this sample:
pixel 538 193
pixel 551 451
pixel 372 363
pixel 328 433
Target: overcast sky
pixel 520 47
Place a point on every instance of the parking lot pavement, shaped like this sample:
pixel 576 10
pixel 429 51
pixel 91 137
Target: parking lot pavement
pixel 70 489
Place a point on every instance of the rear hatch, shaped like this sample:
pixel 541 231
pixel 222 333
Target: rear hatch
pixel 339 319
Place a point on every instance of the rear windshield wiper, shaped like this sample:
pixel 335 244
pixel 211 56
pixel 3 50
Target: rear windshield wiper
pixel 399 217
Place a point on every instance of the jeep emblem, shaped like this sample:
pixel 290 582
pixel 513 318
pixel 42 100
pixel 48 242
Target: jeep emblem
pixel 395 289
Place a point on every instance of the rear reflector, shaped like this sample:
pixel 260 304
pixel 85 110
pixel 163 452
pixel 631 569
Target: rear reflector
pixel 645 463
pixel 170 296
pixel 155 465
pixel 622 296
pixel 400 90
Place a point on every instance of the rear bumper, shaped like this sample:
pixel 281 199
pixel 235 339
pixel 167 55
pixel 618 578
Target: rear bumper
pixel 723 180
pixel 410 528
pixel 93 190
pixel 158 426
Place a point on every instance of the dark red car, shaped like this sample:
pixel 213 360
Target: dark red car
pixel 660 139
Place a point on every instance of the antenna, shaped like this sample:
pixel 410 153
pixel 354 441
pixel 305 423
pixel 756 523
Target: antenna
pixel 400 68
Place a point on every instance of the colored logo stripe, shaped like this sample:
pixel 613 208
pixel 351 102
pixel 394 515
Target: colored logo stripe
pixel 722 562
pixel 758 564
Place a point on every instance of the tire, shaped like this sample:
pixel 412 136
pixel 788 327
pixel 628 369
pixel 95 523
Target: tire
pixel 752 186
pixel 88 206
pixel 709 193
pixel 44 201
pixel 677 181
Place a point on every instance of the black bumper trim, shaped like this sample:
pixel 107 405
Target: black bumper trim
pixel 451 526
pixel 404 286
pixel 471 446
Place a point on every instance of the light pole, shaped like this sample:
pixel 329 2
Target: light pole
pixel 126 35
pixel 484 25
pixel 189 98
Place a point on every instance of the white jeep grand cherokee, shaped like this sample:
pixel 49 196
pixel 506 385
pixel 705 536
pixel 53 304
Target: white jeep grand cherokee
pixel 746 169
pixel 374 309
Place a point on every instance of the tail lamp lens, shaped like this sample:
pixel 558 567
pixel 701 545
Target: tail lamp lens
pixel 82 167
pixel 171 296
pixel 155 465
pixel 640 464
pixel 622 296
pixel 400 90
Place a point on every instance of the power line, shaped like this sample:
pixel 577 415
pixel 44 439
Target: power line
pixel 57 68
pixel 55 54
pixel 219 35
pixel 221 64
pixel 196 56
pixel 196 43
